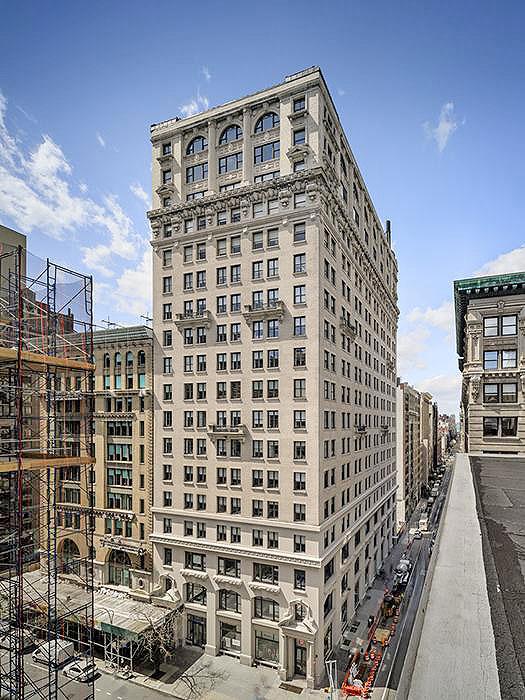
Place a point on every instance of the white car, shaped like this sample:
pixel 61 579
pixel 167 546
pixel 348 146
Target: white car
pixel 83 670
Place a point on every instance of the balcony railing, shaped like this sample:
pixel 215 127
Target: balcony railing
pixel 360 429
pixel 273 309
pixel 235 431
pixel 197 318
pixel 347 327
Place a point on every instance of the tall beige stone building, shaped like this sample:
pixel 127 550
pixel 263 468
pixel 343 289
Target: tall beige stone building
pixel 409 451
pixel 490 335
pixel 426 437
pixel 275 317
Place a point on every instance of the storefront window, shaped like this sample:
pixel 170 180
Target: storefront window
pixel 230 638
pixel 267 646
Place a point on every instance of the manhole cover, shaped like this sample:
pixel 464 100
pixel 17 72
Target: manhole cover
pixel 291 688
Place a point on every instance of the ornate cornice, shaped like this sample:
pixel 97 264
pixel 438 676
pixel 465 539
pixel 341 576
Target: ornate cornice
pixel 222 548
pixel 318 186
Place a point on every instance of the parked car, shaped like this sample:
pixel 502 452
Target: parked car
pixel 7 632
pixel 417 535
pixel 60 649
pixel 83 669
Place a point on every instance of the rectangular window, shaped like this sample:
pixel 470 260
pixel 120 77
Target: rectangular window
pixel 299 233
pixel 268 151
pixel 490 393
pixel 509 359
pixel 509 325
pixel 299 200
pixel 490 359
pixel 299 104
pixel 266 573
pixel 299 263
pixel 509 393
pixel 299 136
pixel 299 294
pixel 231 162
pixel 272 237
pixel 299 328
pixel 197 172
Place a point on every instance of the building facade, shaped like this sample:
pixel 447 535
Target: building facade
pixel 275 317
pixel 123 470
pixel 426 438
pixel 409 450
pixel 124 458
pixel 490 335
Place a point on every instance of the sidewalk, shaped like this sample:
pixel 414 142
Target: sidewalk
pixel 192 675
pixel 358 626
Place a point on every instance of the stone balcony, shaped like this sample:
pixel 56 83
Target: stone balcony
pixel 227 431
pixel 198 318
pixel 255 312
pixel 347 327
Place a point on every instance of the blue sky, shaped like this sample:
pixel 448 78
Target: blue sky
pixel 431 96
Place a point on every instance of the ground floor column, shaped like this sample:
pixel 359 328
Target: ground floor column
pixel 212 624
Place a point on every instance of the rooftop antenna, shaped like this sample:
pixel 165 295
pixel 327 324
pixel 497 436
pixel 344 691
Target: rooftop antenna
pixel 146 318
pixel 111 324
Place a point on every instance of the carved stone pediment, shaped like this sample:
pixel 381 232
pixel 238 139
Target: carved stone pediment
pixel 299 152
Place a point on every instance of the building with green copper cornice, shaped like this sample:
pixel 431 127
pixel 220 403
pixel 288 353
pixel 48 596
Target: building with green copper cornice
pixel 490 341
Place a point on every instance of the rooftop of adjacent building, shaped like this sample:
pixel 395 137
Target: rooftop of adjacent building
pixel 122 335
pixel 479 288
pixel 11 239
pixel 474 649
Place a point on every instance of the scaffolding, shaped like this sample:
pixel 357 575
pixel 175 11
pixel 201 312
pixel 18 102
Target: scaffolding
pixel 46 469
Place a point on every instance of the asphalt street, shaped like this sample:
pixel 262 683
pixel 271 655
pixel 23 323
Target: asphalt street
pixel 106 686
pixel 394 658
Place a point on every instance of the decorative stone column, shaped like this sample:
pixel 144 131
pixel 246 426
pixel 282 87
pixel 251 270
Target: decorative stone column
pixel 246 654
pixel 247 155
pixel 310 676
pixel 212 157
pixel 212 624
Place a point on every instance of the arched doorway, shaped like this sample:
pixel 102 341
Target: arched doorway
pixel 70 558
pixel 119 565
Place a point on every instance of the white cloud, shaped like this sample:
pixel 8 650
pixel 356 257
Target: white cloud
pixel 195 105
pixel 445 127
pixel 410 347
pixel 513 261
pixel 101 141
pixel 83 187
pixel 341 92
pixel 441 317
pixel 35 193
pixel 134 286
pixel 206 73
pixel 445 389
pixel 140 193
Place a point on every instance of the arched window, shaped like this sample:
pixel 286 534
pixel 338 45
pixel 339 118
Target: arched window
pixel 141 358
pixel 231 133
pixel 70 558
pixel 267 121
pixel 118 360
pixel 119 565
pixel 129 359
pixel 196 145
pixel 106 360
